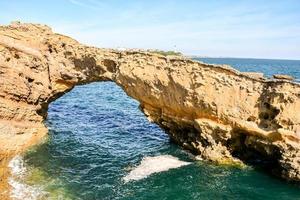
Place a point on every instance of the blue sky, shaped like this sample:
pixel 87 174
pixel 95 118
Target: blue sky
pixel 228 28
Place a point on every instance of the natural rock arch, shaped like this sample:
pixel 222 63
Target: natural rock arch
pixel 214 111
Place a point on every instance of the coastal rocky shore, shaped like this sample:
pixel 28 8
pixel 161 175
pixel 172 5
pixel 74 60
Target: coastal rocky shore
pixel 218 113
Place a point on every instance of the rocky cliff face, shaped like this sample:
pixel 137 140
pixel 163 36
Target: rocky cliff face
pixel 214 111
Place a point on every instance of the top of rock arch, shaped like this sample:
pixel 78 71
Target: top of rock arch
pixel 35 34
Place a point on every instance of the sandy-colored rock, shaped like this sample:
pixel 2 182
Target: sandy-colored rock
pixel 283 76
pixel 215 111
pixel 256 75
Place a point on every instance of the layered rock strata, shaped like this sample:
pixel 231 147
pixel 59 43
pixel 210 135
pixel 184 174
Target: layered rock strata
pixel 215 111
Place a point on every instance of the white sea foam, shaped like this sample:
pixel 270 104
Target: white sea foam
pixel 151 165
pixel 20 190
pixel 16 166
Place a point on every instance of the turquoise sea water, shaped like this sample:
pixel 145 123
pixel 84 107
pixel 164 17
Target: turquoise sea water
pixel 98 135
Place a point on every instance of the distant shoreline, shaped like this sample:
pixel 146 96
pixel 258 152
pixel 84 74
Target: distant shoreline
pixel 191 56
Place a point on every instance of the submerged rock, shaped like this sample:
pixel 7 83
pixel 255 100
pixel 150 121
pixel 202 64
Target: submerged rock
pixel 215 111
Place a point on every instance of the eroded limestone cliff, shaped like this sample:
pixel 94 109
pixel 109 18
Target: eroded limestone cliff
pixel 219 113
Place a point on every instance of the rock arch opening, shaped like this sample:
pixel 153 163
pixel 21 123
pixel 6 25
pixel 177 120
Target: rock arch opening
pixel 97 135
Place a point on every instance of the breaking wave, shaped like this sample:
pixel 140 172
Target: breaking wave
pixel 151 165
pixel 20 190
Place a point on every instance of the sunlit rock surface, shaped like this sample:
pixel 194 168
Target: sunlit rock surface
pixel 216 112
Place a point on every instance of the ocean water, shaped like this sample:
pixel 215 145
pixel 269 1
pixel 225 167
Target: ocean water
pixel 266 66
pixel 101 146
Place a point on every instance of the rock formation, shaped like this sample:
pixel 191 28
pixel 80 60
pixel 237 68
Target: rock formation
pixel 283 76
pixel 215 111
